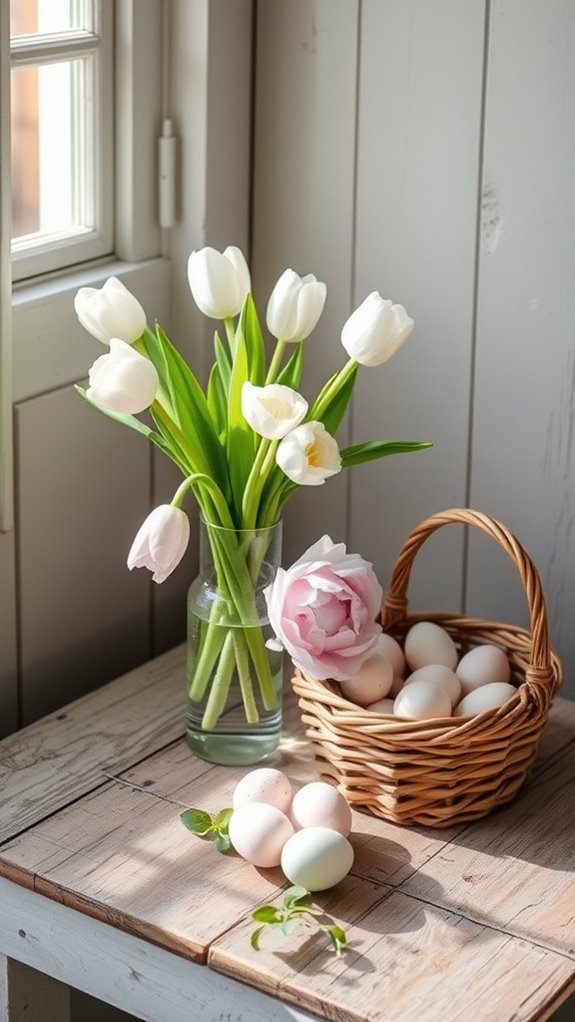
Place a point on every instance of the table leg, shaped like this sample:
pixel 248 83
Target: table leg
pixel 28 996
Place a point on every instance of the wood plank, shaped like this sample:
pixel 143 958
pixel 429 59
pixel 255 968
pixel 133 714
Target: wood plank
pixel 123 970
pixel 525 364
pixel 29 996
pixel 61 757
pixel 419 129
pixel 515 870
pixel 407 960
pixel 303 199
pixel 84 618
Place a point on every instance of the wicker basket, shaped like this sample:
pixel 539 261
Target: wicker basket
pixel 436 772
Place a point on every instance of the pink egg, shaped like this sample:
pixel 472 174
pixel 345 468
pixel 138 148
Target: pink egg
pixel 428 643
pixel 372 682
pixel 263 785
pixel 396 687
pixel 258 833
pixel 387 645
pixel 482 665
pixel 384 706
pixel 321 805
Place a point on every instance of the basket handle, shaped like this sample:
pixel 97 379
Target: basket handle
pixel 395 603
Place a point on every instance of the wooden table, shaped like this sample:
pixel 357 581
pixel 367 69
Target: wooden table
pixel 101 887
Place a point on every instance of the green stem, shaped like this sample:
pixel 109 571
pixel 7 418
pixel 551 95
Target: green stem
pixel 330 390
pixel 247 690
pixel 231 335
pixel 220 685
pixel 211 647
pixel 273 371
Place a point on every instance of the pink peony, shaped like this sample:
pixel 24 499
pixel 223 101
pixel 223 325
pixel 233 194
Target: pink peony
pixel 323 610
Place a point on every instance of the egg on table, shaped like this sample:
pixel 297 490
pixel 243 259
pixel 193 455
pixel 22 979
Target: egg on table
pixel 373 681
pixel 422 700
pixel 316 858
pixel 258 832
pixel 428 643
pixel 439 675
pixel 321 805
pixel 482 665
pixel 263 785
pixel 487 697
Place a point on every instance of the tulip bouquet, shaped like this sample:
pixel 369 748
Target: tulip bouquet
pixel 244 444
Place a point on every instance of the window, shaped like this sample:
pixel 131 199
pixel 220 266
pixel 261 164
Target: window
pixel 61 132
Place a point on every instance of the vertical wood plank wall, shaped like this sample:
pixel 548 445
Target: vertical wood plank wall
pixel 426 150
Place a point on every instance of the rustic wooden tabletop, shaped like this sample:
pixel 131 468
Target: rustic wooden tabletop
pixel 478 918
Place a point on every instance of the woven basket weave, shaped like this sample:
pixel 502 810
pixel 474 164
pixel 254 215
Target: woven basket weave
pixel 436 772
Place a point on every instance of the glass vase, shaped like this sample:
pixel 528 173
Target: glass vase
pixel 234 681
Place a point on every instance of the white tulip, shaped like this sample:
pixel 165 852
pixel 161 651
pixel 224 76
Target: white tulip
pixel 219 282
pixel 375 331
pixel 161 541
pixel 309 455
pixel 122 380
pixel 295 305
pixel 272 411
pixel 110 311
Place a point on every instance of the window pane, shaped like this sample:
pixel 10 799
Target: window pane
pixel 50 132
pixel 30 16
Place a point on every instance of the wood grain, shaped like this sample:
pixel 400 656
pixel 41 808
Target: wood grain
pixel 58 759
pixel 407 960
pixel 517 871
pixel 123 970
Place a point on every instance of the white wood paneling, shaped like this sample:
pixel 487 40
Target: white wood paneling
pixel 303 195
pixel 82 485
pixel 8 668
pixel 417 187
pixel 523 459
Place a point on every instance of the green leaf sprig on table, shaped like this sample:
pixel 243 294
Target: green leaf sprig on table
pixel 297 906
pixel 212 828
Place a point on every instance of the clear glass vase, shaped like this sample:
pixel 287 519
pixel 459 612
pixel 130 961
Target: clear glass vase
pixel 234 681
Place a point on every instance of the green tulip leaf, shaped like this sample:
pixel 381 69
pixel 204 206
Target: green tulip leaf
pixel 373 449
pixel 333 414
pixel 241 440
pixel 217 401
pixel 290 375
pixel 249 326
pixel 223 360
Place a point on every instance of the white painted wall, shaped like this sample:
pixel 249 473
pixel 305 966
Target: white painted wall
pixel 380 126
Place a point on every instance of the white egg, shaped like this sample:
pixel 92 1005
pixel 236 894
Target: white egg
pixel 422 700
pixel 384 706
pixel 263 785
pixel 258 833
pixel 441 676
pixel 427 643
pixel 390 648
pixel 487 697
pixel 321 805
pixel 373 681
pixel 316 858
pixel 482 666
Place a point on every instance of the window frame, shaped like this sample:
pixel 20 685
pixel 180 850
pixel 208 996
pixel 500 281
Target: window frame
pixel 30 259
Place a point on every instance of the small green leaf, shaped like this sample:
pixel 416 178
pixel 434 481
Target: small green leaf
pixel 291 372
pixel 221 821
pixel 222 843
pixel 199 822
pixel 337 407
pixel 249 326
pixel 295 896
pixel 267 914
pixel 286 926
pixel 255 938
pixel 373 449
pixel 337 937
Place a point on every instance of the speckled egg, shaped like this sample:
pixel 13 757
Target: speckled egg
pixel 263 785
